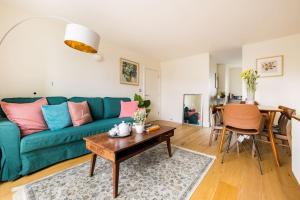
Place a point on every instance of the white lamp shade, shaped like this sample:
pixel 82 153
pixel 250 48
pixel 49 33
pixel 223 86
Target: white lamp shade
pixel 81 38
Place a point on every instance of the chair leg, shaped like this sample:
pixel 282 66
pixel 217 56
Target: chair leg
pixel 256 148
pixel 237 148
pixel 222 139
pixel 228 145
pixel 216 137
pixel 258 154
pixel 211 137
pixel 253 149
pixel 229 142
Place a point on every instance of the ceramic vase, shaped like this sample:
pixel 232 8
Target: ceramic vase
pixel 139 128
pixel 250 97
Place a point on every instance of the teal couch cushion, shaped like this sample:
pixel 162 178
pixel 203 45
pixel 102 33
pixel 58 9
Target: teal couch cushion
pixel 95 105
pixel 51 101
pixel 57 116
pixel 112 106
pixel 49 138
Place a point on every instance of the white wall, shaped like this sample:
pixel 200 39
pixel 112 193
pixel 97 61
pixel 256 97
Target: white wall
pixel 34 55
pixel 223 76
pixel 282 90
pixel 212 72
pixel 235 81
pixel 188 75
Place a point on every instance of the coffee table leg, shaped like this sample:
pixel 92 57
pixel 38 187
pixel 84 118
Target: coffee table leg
pixel 93 162
pixel 115 174
pixel 169 147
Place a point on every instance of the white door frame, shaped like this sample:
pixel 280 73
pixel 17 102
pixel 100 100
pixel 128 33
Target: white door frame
pixel 159 87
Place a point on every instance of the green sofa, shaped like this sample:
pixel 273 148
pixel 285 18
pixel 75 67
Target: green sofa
pixel 21 156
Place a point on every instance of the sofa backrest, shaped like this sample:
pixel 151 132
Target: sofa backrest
pixel 95 105
pixel 101 108
pixel 51 101
pixel 112 106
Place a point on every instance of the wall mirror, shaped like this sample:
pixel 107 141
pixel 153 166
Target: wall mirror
pixel 192 109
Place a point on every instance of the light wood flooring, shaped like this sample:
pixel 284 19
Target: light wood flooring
pixel 237 178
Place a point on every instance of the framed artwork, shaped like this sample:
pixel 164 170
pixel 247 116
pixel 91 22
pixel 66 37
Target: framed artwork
pixel 270 66
pixel 129 72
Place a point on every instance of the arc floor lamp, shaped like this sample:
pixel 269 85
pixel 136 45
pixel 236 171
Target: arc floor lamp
pixel 76 36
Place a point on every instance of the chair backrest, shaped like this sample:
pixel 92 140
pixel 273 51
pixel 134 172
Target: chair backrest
pixel 212 114
pixel 285 118
pixel 242 116
pixel 288 112
pixel 215 116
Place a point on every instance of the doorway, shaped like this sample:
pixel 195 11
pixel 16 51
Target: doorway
pixel 230 84
pixel 152 92
pixel 192 109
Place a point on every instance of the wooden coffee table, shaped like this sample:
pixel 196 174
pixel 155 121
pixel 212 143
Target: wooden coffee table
pixel 117 150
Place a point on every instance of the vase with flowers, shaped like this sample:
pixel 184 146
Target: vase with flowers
pixel 139 118
pixel 250 77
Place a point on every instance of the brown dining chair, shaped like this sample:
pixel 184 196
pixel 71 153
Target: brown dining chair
pixel 281 130
pixel 241 119
pixel 216 123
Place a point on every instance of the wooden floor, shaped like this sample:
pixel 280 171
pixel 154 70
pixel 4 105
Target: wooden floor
pixel 237 178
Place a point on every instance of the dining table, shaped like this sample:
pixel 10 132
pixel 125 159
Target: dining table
pixel 270 111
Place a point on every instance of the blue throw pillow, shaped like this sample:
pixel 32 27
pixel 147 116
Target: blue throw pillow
pixel 57 116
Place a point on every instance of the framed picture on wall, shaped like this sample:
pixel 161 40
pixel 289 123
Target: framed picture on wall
pixel 129 72
pixel 270 66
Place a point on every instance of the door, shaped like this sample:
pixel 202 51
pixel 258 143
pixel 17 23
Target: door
pixel 152 92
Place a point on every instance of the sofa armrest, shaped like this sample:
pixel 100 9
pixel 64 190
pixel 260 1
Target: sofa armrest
pixel 10 161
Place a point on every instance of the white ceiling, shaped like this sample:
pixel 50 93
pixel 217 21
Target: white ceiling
pixel 166 29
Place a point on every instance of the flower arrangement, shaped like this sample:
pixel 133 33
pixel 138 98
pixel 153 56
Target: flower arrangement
pixel 140 115
pixel 129 71
pixel 250 76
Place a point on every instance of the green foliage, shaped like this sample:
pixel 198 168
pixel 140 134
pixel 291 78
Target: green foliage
pixel 143 103
pixel 147 103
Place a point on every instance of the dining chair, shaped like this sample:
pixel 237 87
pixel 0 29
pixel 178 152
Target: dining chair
pixel 216 122
pixel 241 119
pixel 282 129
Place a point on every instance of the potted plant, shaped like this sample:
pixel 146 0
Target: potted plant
pixel 143 103
pixel 220 95
pixel 139 118
pixel 250 77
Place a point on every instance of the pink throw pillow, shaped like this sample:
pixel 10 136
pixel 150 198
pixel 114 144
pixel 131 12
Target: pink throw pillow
pixel 80 113
pixel 27 116
pixel 128 108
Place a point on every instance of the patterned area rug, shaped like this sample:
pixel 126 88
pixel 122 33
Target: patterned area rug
pixel 150 175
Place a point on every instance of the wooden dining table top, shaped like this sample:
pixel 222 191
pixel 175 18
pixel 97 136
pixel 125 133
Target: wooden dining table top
pixel 297 117
pixel 262 108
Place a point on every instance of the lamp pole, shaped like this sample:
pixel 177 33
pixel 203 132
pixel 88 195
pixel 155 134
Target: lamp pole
pixel 32 18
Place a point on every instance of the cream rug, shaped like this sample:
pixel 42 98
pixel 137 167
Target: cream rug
pixel 150 175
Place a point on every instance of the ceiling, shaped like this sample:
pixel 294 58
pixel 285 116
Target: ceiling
pixel 166 29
